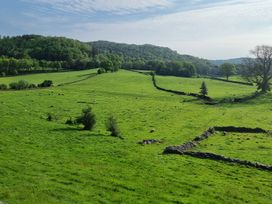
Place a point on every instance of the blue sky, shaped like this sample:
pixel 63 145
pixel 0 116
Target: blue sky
pixel 210 29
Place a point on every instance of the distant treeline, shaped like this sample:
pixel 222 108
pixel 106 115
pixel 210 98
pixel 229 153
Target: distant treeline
pixel 174 68
pixel 145 56
pixel 35 53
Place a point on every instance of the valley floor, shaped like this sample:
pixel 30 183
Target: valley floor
pixel 50 162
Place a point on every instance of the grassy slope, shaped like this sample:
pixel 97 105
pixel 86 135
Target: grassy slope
pixel 57 78
pixel 49 162
pixel 216 89
pixel 252 147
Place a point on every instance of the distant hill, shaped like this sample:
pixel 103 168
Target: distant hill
pixel 148 52
pixel 233 61
pixel 72 54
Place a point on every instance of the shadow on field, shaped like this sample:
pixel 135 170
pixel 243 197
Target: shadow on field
pixel 78 129
pixel 68 129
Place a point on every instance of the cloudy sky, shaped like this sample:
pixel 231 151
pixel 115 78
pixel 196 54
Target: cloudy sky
pixel 210 29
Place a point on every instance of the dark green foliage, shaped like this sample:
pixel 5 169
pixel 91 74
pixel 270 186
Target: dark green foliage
pixel 259 69
pixel 87 118
pixel 112 127
pixel 70 121
pixel 20 85
pixel 44 48
pixel 3 87
pixel 46 83
pixel 50 116
pixel 143 56
pixel 203 89
pixel 227 69
pixel 32 86
pixel 175 68
pixel 101 71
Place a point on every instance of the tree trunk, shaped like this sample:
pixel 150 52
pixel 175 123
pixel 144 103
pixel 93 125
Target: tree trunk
pixel 265 86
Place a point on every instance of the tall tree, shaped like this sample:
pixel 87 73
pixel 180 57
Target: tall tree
pixel 227 69
pixel 203 89
pixel 259 69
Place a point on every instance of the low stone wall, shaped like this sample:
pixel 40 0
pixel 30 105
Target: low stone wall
pixel 207 98
pixel 239 129
pixel 189 145
pixel 185 148
pixel 217 157
pixel 231 81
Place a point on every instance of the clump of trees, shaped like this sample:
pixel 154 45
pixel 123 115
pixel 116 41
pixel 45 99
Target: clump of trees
pixel 259 69
pixel 227 69
pixel 203 89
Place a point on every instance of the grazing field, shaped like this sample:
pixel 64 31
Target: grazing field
pixel 49 162
pixel 57 78
pixel 246 146
pixel 216 89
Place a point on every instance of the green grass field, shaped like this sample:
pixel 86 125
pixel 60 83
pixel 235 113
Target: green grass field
pixel 216 89
pixel 50 162
pixel 246 146
pixel 57 78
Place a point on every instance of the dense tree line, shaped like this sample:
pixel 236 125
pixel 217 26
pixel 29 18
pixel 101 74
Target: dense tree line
pixel 137 56
pixel 44 48
pixel 30 53
pixel 174 68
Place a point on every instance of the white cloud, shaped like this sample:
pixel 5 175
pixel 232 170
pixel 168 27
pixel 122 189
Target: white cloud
pixel 221 31
pixel 115 6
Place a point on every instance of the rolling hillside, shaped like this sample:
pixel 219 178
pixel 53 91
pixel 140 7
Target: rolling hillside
pixel 45 161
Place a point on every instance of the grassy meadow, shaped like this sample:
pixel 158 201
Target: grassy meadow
pixel 246 146
pixel 216 89
pixel 49 162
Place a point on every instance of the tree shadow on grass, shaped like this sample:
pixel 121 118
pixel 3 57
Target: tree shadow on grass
pixel 80 130
pixel 68 129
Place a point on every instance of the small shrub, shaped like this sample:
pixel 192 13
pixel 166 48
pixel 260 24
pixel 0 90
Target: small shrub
pixel 13 85
pixel 32 86
pixel 101 71
pixel 3 87
pixel 46 83
pixel 70 121
pixel 87 118
pixel 112 127
pixel 50 116
pixel 20 85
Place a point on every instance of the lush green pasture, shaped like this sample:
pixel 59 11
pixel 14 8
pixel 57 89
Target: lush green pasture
pixel 235 78
pixel 216 89
pixel 50 162
pixel 246 146
pixel 57 77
